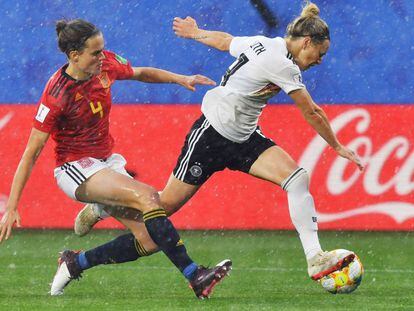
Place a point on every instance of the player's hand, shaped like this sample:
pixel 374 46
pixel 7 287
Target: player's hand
pixel 189 82
pixel 350 155
pixel 185 28
pixel 10 217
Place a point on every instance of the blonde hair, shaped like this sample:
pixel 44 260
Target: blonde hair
pixel 309 24
pixel 310 10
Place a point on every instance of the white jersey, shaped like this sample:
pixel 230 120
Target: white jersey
pixel 263 67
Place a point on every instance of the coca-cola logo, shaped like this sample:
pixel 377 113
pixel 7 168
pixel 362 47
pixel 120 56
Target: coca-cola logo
pixel 376 158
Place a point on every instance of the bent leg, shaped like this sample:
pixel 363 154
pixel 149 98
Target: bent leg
pixel 127 247
pixel 146 246
pixel 175 194
pixel 119 250
pixel 114 189
pixel 277 166
pixel 273 165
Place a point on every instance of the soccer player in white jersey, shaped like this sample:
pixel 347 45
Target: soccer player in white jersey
pixel 227 136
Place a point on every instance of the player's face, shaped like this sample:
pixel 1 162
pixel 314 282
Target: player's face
pixel 90 58
pixel 311 54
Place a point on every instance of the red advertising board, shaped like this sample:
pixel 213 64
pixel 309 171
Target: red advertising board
pixel 150 137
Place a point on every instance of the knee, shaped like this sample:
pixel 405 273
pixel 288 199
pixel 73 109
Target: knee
pixel 298 180
pixel 146 200
pixel 170 208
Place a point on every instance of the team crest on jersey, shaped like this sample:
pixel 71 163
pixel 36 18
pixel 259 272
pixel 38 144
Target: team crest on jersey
pixel 196 171
pixel 121 60
pixel 104 79
pixel 85 163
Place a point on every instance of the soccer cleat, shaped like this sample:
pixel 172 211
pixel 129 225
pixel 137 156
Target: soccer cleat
pixel 205 279
pixel 323 263
pixel 86 219
pixel 68 269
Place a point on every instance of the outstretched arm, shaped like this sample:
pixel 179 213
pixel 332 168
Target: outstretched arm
pixel 317 118
pixel 188 28
pixel 36 142
pixel 155 75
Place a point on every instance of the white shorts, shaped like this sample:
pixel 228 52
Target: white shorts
pixel 71 175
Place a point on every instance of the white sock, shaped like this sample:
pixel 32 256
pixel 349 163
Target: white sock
pixel 302 211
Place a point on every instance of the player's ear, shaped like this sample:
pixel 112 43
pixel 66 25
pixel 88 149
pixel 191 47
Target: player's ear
pixel 74 56
pixel 306 42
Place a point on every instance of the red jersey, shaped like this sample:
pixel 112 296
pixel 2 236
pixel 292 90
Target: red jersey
pixel 76 113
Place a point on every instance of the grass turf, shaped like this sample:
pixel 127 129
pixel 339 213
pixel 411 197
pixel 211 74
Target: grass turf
pixel 269 273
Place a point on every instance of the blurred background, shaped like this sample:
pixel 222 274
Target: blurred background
pixel 369 60
pixel 365 84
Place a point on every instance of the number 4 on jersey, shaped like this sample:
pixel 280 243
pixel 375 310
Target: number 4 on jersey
pixel 96 109
pixel 233 68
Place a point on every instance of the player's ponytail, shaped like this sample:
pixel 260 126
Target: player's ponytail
pixel 73 34
pixel 309 24
pixel 60 25
pixel 310 10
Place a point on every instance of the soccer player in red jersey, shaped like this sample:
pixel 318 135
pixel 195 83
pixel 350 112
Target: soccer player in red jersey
pixel 74 109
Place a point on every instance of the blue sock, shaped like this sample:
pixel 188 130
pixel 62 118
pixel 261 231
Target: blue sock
pixel 189 271
pixel 164 234
pixel 122 249
pixel 83 261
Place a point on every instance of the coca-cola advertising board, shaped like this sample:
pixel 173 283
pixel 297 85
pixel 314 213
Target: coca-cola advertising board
pixel 151 136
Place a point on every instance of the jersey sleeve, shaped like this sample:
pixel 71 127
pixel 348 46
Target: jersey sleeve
pixel 120 68
pixel 289 79
pixel 239 45
pixel 48 112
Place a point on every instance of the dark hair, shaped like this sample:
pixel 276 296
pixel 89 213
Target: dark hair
pixel 309 24
pixel 73 34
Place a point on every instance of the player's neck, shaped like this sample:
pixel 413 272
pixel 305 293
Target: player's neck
pixel 77 74
pixel 292 46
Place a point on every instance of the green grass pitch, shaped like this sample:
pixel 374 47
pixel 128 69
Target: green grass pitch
pixel 269 273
